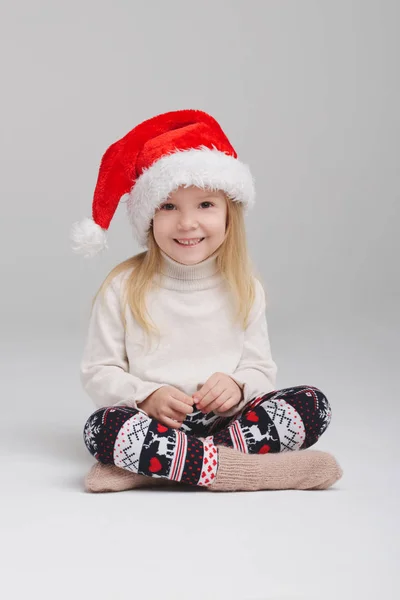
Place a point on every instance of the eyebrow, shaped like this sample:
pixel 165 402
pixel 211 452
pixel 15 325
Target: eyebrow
pixel 210 195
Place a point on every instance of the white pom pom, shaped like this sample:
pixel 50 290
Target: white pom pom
pixel 88 238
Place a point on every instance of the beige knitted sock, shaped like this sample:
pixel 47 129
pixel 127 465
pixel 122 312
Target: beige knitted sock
pixel 301 470
pixel 109 478
pixel 294 470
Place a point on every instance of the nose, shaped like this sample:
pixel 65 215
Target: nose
pixel 187 222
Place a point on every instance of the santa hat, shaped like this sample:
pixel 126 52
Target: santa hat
pixel 178 148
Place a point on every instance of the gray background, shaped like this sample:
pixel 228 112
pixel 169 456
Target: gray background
pixel 308 93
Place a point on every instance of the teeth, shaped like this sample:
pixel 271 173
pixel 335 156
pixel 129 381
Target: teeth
pixel 191 243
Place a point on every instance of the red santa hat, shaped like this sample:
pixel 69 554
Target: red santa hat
pixel 178 148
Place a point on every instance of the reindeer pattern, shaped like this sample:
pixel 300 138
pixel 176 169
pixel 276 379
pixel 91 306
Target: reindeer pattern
pixel 279 421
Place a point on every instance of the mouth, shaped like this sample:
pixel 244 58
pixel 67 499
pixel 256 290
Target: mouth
pixel 189 245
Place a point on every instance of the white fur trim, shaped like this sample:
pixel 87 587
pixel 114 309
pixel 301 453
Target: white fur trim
pixel 88 238
pixel 202 167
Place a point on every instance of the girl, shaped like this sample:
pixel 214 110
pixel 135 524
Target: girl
pixel 177 358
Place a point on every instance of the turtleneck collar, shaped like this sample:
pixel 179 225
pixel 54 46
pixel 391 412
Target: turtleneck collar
pixel 177 276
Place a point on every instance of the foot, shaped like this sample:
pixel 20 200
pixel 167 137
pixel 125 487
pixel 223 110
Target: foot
pixel 109 478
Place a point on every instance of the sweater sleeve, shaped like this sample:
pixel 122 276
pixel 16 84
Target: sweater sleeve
pixel 256 371
pixel 104 369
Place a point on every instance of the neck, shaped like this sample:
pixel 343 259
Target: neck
pixel 178 276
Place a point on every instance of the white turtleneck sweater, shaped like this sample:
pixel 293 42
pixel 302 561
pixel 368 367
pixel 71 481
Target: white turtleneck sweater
pixel 192 308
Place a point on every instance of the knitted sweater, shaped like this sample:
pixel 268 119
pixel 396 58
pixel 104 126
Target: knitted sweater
pixel 192 308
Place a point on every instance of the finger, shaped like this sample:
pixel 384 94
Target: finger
pixel 212 396
pixel 224 397
pixel 216 405
pixel 181 407
pixel 207 386
pixel 227 405
pixel 169 422
pixel 174 414
pixel 182 397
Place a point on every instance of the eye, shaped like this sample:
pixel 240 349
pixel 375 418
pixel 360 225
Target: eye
pixel 170 204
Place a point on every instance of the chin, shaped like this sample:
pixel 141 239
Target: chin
pixel 190 258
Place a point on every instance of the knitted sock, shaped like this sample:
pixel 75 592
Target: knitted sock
pixel 109 478
pixel 302 470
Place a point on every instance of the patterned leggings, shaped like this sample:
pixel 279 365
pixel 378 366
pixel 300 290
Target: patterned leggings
pixel 280 421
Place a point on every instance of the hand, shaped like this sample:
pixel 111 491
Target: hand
pixel 220 392
pixel 169 405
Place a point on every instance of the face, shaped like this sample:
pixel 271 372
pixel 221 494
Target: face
pixel 191 213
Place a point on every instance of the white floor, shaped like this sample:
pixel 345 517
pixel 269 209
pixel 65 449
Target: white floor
pixel 60 542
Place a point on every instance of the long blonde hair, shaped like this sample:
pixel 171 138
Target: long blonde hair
pixel 233 261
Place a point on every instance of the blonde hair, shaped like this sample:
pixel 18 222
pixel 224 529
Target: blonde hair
pixel 233 261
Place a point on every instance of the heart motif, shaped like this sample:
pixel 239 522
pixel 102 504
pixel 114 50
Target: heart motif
pixel 212 476
pixel 251 416
pixel 214 462
pixel 205 460
pixel 161 428
pixel 209 468
pixel 264 449
pixel 155 465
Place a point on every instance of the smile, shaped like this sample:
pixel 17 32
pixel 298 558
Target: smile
pixel 189 244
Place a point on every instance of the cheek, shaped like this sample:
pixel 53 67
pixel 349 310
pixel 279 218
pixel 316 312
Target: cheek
pixel 160 226
pixel 216 224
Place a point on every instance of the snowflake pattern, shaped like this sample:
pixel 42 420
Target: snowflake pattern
pixel 92 429
pixel 325 414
